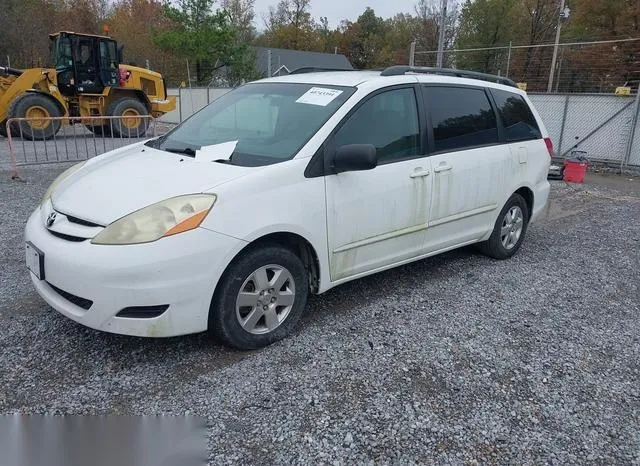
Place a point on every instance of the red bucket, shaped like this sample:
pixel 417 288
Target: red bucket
pixel 574 171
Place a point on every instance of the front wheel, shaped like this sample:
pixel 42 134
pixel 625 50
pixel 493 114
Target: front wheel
pixel 260 298
pixel 39 112
pixel 509 229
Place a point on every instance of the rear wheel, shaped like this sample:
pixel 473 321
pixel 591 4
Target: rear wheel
pixel 135 119
pixel 38 109
pixel 509 229
pixel 260 298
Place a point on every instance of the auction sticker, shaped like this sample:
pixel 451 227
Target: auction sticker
pixel 319 96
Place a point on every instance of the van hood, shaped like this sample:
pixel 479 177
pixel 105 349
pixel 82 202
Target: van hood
pixel 117 183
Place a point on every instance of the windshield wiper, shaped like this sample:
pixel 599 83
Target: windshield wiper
pixel 185 150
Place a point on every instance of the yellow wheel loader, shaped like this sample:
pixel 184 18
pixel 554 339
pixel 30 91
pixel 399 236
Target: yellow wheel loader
pixel 88 80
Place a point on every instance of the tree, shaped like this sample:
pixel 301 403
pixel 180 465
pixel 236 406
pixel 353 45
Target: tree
pixel 485 23
pixel 427 30
pixel 289 25
pixel 241 14
pixel 134 23
pixel 202 35
pixel 363 41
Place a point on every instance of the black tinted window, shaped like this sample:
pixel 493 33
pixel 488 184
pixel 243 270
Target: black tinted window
pixel 461 118
pixel 389 121
pixel 519 122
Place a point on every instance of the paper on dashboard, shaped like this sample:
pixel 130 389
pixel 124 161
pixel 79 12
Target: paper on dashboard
pixel 222 151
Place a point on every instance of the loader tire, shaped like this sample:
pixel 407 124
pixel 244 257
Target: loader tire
pixel 3 128
pixel 38 108
pixel 130 127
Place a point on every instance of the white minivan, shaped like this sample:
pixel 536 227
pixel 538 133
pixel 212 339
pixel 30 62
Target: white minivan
pixel 284 187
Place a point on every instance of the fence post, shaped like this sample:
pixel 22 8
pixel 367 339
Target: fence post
pixel 509 59
pixel 632 131
pixel 564 120
pixel 180 103
pixel 15 175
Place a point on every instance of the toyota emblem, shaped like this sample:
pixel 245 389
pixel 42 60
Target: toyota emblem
pixel 51 218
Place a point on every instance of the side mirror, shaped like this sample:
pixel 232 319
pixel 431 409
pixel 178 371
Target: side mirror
pixel 355 157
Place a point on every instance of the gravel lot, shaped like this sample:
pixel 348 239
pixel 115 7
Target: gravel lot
pixel 456 359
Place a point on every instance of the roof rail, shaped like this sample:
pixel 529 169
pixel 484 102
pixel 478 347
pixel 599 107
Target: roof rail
pixel 313 69
pixel 400 70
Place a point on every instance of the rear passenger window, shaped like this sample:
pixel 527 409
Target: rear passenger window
pixel 461 118
pixel 389 121
pixel 519 122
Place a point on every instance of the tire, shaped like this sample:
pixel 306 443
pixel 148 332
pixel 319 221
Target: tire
pixel 507 237
pixel 129 107
pixel 3 128
pixel 104 131
pixel 243 275
pixel 34 105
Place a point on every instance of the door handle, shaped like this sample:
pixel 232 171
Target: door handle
pixel 418 173
pixel 445 167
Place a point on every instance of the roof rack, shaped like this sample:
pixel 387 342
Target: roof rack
pixel 312 69
pixel 400 70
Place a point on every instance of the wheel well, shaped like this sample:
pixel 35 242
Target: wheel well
pixel 117 94
pixel 300 246
pixel 527 194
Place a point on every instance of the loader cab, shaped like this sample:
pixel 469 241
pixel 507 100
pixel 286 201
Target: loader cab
pixel 85 64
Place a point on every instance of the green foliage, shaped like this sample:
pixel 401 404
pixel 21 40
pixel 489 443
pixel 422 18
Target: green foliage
pixel 205 36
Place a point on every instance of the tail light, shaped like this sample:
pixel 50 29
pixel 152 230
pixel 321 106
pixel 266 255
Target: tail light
pixel 549 144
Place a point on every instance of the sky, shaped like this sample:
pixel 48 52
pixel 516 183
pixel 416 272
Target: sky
pixel 337 10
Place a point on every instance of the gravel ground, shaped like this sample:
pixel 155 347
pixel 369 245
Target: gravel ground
pixel 456 359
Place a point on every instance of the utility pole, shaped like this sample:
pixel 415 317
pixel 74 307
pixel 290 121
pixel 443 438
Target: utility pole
pixel 443 20
pixel 561 14
pixel 412 54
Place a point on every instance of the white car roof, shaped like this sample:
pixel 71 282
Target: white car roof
pixel 357 78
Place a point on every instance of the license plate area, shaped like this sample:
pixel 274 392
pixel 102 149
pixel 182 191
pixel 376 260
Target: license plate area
pixel 35 260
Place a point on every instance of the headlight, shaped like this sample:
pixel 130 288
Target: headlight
pixel 165 218
pixel 63 176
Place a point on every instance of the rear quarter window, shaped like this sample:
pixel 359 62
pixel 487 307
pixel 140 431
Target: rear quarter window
pixel 517 118
pixel 462 118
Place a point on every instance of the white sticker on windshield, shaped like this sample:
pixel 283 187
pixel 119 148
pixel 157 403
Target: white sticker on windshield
pixel 319 96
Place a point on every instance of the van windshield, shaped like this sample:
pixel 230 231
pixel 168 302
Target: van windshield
pixel 271 122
